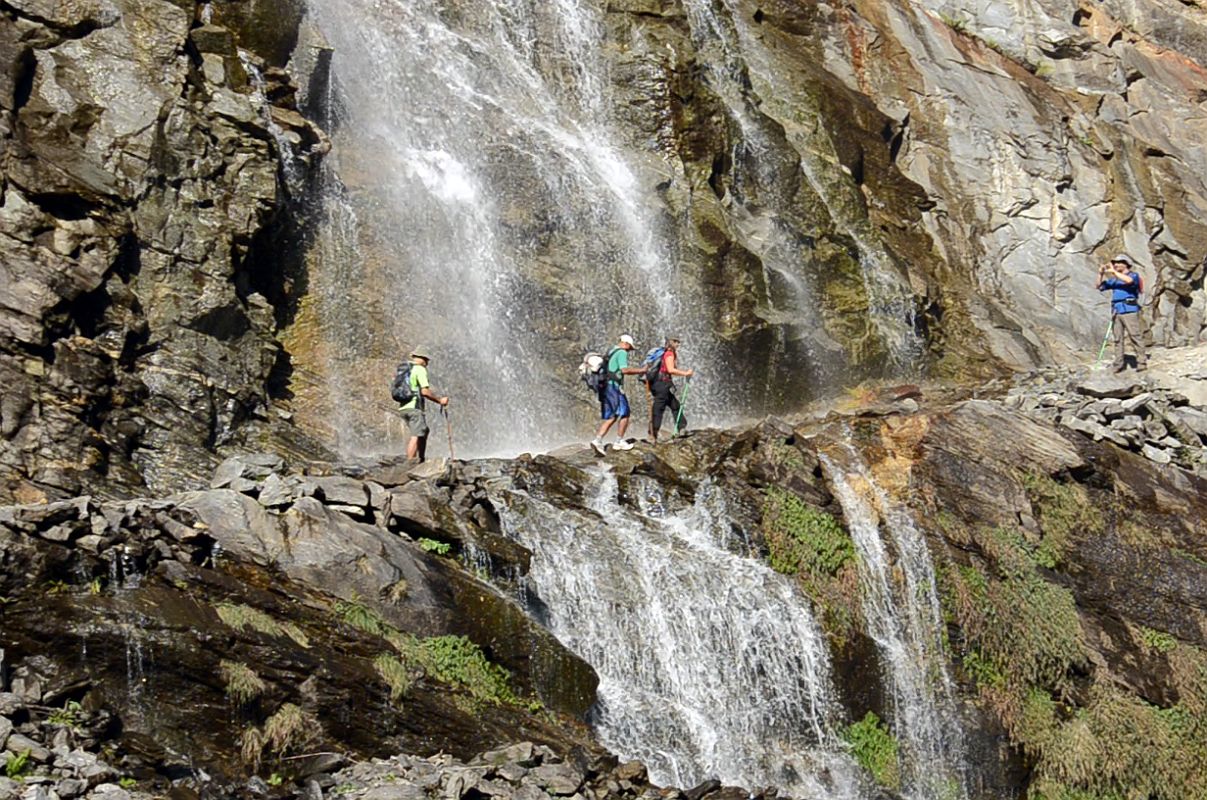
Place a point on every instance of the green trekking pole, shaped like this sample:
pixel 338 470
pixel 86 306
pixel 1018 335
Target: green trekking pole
pixel 687 385
pixel 1105 339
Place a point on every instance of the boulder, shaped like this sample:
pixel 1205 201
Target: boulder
pixel 1106 385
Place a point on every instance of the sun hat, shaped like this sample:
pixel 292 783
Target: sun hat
pixel 421 352
pixel 1122 258
pixel 626 339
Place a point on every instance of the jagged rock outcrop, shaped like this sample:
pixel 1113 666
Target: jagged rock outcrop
pixel 1070 573
pixel 141 152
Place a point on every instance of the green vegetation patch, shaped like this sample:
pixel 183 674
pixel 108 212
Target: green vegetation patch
pixel 1065 513
pixel 802 538
pixel 434 546
pixel 289 731
pixel 17 765
pixel 452 660
pixel 242 684
pixel 875 748
pixel 810 544
pixel 241 617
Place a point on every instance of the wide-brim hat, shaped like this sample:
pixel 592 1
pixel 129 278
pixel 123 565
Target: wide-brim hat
pixel 421 352
pixel 1123 258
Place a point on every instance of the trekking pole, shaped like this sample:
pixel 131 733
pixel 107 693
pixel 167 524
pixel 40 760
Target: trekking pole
pixel 687 385
pixel 1105 339
pixel 448 426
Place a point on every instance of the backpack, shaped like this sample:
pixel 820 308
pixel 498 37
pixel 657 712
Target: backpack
pixel 594 372
pixel 653 364
pixel 401 389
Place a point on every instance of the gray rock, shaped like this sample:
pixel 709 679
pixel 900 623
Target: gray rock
pixel 396 791
pixel 275 492
pixel 1155 430
pixel 1132 403
pixel 1109 386
pixel 6 727
pixel 521 754
pixel 1157 454
pixel 109 791
pixel 9 702
pixel 19 743
pixel 1127 424
pixel 311 791
pixel 77 760
pixel 338 490
pixel 1192 418
pixel 512 773
pixel 71 787
pixel 562 780
pixel 9 789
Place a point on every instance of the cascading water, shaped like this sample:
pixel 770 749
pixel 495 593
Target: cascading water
pixel 494 211
pixel 903 617
pixel 739 68
pixel 710 664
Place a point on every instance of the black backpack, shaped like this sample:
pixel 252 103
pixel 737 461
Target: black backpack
pixel 400 389
pixel 594 372
pixel 653 364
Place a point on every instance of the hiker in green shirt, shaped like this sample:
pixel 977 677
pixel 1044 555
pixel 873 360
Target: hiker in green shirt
pixel 613 405
pixel 413 412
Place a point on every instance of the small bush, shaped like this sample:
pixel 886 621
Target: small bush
pixel 361 617
pixel 17 765
pixel 458 661
pixel 802 538
pixel 1157 641
pixel 875 749
pixel 290 729
pixel 242 684
pixel 433 546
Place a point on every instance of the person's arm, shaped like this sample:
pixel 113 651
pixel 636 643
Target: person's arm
pixel 633 371
pixel 435 398
pixel 1123 276
pixel 673 370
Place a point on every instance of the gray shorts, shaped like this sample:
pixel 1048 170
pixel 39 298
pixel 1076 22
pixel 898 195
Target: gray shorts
pixel 416 421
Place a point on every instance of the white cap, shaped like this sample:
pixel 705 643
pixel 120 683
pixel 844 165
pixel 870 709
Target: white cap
pixel 626 339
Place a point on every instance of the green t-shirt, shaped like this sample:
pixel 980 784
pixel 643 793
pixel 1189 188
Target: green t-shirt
pixel 618 361
pixel 418 381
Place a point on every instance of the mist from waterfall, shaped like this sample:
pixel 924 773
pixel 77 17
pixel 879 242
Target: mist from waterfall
pixel 710 663
pixel 475 148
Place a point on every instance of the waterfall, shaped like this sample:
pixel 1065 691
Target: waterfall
pixel 902 615
pixel 710 663
pixel 499 220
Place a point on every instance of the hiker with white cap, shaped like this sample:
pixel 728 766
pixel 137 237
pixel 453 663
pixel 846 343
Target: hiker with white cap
pixel 1121 278
pixel 613 405
pixel 412 412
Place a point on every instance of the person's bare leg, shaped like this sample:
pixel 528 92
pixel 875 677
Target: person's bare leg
pixel 413 447
pixel 623 428
pixel 604 428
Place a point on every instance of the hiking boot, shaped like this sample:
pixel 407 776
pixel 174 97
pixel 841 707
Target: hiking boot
pixel 623 444
pixel 598 444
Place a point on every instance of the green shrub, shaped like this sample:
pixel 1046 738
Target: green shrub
pixel 875 749
pixel 802 538
pixel 433 546
pixel 1157 641
pixel 361 617
pixel 17 765
pixel 458 661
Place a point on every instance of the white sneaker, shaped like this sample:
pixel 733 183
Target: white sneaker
pixel 598 445
pixel 623 445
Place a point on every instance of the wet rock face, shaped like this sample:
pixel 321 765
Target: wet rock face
pixel 140 161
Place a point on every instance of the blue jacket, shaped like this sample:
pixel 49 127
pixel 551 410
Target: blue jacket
pixel 1125 297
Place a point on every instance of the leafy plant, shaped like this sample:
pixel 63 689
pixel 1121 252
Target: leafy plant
pixel 1065 513
pixel 433 546
pixel 361 617
pixel 801 537
pixel 17 765
pixel 127 782
pixel 458 661
pixel 1157 641
pixel 875 749
pixel 66 716
pixel 275 779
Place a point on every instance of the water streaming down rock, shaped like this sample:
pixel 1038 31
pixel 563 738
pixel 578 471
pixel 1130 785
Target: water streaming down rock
pixel 902 615
pixel 494 211
pixel 710 664
pixel 741 74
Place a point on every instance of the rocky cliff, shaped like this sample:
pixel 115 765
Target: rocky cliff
pixel 142 158
pixel 1069 572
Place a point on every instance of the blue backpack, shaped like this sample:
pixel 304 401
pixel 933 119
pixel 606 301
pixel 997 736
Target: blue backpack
pixel 653 364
